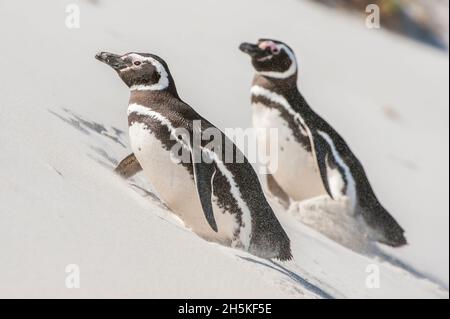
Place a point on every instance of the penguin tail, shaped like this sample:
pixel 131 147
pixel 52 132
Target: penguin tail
pixel 386 229
pixel 285 253
pixel 280 250
pixel 280 242
pixel 269 240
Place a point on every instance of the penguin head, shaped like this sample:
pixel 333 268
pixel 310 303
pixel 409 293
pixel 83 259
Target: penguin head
pixel 271 58
pixel 139 71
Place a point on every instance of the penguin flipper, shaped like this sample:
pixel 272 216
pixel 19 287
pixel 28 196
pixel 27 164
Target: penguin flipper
pixel 387 229
pixel 128 167
pixel 321 152
pixel 204 175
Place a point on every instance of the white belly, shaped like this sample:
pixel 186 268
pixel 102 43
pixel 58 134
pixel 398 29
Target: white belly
pixel 295 171
pixel 175 186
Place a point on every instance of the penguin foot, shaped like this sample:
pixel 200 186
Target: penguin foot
pixel 128 167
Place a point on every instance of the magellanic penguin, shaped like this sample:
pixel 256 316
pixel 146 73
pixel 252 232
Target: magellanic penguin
pixel 221 201
pixel 313 158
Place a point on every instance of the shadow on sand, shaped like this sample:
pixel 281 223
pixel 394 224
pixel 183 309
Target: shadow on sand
pixel 291 275
pixel 384 257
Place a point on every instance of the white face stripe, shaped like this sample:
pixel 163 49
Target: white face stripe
pixel 245 233
pixel 163 82
pixel 286 74
pixel 267 58
pixel 280 100
pixel 351 185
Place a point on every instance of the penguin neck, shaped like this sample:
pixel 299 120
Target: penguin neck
pixel 285 87
pixel 154 96
pixel 279 86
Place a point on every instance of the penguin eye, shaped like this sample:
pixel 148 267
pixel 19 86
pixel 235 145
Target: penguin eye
pixel 137 63
pixel 275 50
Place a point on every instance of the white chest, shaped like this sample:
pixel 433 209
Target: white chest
pixel 174 185
pixel 158 165
pixel 296 170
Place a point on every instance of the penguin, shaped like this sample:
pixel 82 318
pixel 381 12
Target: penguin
pixel 221 201
pixel 313 158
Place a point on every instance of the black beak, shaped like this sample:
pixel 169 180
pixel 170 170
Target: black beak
pixel 250 49
pixel 113 60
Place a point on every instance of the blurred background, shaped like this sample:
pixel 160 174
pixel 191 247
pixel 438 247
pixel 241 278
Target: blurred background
pixel 422 20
